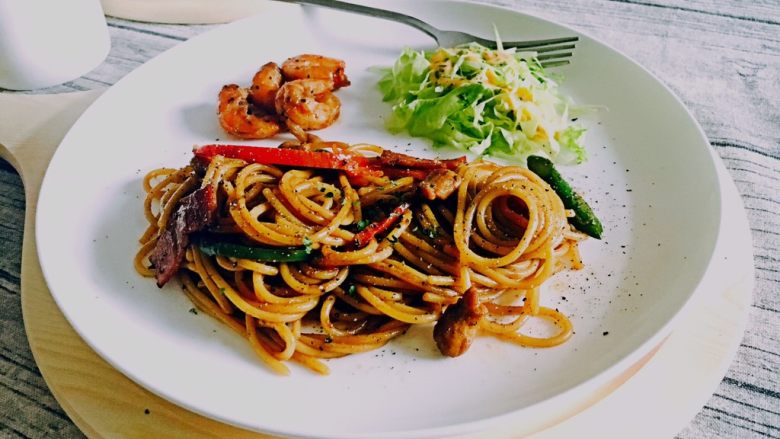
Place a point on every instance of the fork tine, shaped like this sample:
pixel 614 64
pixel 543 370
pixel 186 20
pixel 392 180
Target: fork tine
pixel 551 56
pixel 550 53
pixel 538 43
pixel 549 48
pixel 554 59
pixel 548 64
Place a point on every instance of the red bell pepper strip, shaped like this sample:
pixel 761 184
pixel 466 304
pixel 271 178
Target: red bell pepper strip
pixel 355 166
pixel 366 235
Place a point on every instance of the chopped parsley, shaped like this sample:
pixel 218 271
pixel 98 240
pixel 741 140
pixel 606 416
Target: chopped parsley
pixel 362 224
pixel 308 244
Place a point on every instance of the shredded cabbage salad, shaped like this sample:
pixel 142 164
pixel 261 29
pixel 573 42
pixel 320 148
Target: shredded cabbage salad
pixel 489 102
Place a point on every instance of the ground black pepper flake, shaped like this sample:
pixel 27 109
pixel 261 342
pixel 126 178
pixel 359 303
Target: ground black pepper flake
pixel 605 333
pixel 147 411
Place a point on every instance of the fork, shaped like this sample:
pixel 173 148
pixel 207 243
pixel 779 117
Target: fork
pixel 550 52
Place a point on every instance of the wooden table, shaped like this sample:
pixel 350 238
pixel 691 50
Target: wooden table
pixel 722 59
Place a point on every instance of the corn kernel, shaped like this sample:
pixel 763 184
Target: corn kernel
pixel 525 94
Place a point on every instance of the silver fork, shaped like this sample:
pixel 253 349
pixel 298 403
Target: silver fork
pixel 550 52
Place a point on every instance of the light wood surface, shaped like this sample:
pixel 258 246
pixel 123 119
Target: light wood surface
pixel 99 399
pixel 721 58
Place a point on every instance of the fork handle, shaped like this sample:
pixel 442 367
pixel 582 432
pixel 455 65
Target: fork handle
pixel 373 12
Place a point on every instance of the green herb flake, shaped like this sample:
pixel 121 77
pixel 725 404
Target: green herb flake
pixel 308 244
pixel 362 224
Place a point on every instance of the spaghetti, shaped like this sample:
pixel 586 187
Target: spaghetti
pixel 334 265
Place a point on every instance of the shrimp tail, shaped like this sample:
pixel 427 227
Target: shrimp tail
pixel 240 118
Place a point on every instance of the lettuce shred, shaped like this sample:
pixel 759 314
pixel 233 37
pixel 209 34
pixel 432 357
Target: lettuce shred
pixel 489 102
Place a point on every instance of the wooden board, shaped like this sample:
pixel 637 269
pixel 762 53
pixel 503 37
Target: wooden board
pixel 672 382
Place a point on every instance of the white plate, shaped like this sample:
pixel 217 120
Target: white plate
pixel 650 177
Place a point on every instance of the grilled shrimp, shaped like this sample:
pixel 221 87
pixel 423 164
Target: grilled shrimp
pixel 309 66
pixel 241 119
pixel 308 103
pixel 265 84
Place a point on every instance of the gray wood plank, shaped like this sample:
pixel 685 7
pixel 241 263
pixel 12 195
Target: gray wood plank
pixel 27 408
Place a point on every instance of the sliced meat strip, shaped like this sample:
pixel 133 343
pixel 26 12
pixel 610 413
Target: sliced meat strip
pixel 194 213
pixel 398 160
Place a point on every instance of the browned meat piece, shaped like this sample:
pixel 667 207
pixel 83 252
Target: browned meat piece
pixel 199 166
pixel 458 325
pixel 439 183
pixel 397 160
pixel 195 212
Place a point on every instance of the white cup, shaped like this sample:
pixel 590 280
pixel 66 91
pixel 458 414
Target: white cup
pixel 48 42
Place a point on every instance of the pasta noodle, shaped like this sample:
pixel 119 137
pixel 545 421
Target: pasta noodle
pixel 501 234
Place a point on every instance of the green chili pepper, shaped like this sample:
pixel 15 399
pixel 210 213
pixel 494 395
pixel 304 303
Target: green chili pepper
pixel 584 219
pixel 214 247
